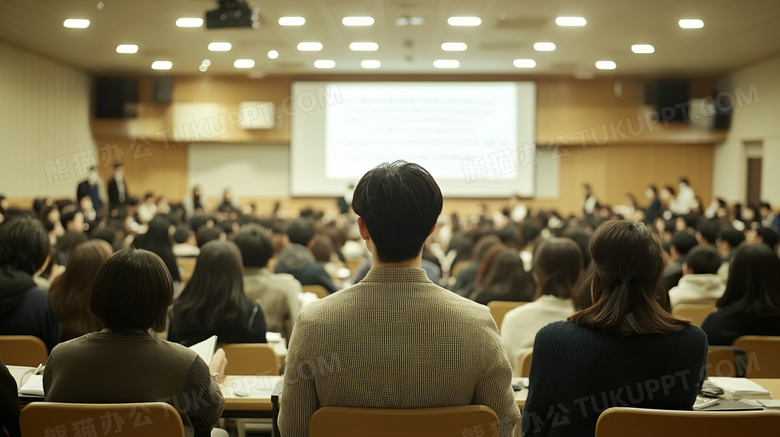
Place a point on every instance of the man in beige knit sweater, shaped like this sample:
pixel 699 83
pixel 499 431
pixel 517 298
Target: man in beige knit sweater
pixel 395 339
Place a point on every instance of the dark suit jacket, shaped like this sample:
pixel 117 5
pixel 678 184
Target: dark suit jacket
pixel 85 189
pixel 113 192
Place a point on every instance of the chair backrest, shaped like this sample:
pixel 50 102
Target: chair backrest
pixel 695 312
pixel 638 422
pixel 22 350
pixel 499 308
pixel 524 364
pixel 419 422
pixel 250 359
pixel 725 361
pixel 149 419
pixel 186 267
pixel 763 355
pixel 319 290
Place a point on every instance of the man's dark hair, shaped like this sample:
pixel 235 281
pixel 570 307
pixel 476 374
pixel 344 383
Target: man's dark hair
pixel 683 242
pixel 399 203
pixel 24 245
pixel 206 234
pixel 300 231
pixel 708 230
pixel 530 230
pixel 703 260
pixel 768 236
pixel 732 236
pixel 182 233
pixel 254 244
pixel 68 217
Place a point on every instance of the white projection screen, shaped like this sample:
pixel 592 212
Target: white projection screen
pixel 476 138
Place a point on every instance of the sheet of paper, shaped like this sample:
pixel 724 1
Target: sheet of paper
pixel 206 348
pixel 21 373
pixel 33 386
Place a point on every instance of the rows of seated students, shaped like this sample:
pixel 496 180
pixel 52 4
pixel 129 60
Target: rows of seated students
pixel 81 257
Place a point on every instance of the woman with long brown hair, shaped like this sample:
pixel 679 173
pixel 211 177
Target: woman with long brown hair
pixel 69 292
pixel 501 276
pixel 627 349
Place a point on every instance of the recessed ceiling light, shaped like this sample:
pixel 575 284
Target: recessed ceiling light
pixel 220 46
pixel 203 68
pixel 606 65
pixel 357 21
pixel 127 48
pixel 189 22
pixel 370 63
pixel 524 63
pixel 446 63
pixel 292 21
pixel 409 21
pixel 206 62
pixel 273 54
pixel 691 23
pixel 162 65
pixel 642 48
pixel 570 21
pixel 544 46
pixel 324 63
pixel 76 23
pixel 454 46
pixel 464 21
pixel 244 63
pixel 363 46
pixel 310 46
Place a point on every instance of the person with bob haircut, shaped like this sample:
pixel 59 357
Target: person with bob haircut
pixel 69 292
pixel 24 307
pixel 751 303
pixel 123 363
pixel 213 301
pixel 398 339
pixel 625 350
pixel 557 269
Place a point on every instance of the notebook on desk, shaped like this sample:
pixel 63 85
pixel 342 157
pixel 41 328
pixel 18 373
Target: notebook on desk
pixel 32 387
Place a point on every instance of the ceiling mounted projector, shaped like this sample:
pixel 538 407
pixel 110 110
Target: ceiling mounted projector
pixel 232 13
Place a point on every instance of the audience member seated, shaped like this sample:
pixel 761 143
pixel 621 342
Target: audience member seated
pixel 213 301
pixel 157 240
pixel 185 245
pixel 467 275
pixel 397 339
pixel 208 233
pixel 9 404
pixel 69 292
pixel 763 235
pixel 124 363
pixel 278 294
pixel 297 260
pixel 147 209
pixel 707 233
pixel 700 283
pixel 501 276
pixel 682 243
pixel 621 350
pixel 24 308
pixel 557 270
pixel 530 230
pixel 729 240
pixel 751 303
pixel 66 244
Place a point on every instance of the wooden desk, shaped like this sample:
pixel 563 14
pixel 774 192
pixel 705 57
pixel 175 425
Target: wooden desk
pixel 249 396
pixel 771 384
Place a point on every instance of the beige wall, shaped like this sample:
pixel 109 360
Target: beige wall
pixel 44 125
pixel 756 117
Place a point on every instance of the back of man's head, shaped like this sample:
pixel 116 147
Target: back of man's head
pixel 732 237
pixel 768 236
pixel 683 242
pixel 254 244
pixel 24 245
pixel 206 234
pixel 182 233
pixel 708 231
pixel 300 231
pixel 399 204
pixel 703 260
